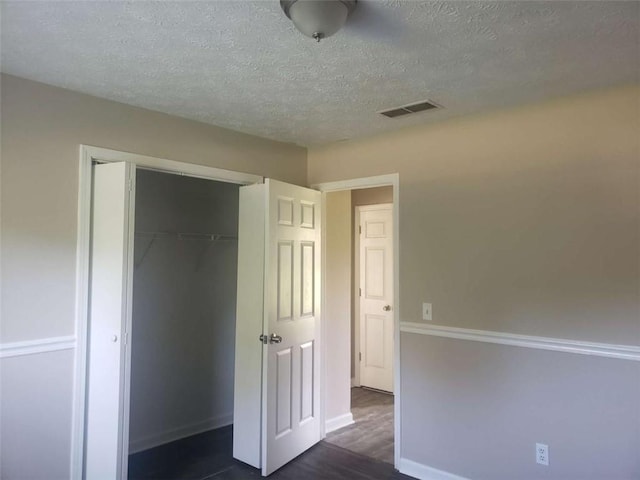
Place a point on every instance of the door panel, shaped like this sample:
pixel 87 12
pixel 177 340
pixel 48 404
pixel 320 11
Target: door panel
pixel 285 280
pixel 307 381
pixel 109 316
pixel 376 300
pixel 283 385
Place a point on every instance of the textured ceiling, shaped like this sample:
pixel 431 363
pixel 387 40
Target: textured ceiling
pixel 242 65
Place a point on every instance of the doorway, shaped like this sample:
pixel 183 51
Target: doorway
pixel 106 241
pixel 368 317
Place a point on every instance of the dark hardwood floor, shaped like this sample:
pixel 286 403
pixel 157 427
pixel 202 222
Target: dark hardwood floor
pixel 209 456
pixel 372 432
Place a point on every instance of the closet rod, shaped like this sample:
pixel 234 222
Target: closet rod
pixel 205 236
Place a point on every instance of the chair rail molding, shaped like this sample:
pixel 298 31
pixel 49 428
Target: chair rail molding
pixel 41 345
pixel 621 352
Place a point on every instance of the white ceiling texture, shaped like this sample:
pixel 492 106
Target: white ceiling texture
pixel 242 65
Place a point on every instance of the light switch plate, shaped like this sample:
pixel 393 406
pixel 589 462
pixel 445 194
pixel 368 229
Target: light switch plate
pixel 427 312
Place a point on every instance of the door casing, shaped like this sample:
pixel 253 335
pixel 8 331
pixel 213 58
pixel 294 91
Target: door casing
pixel 89 155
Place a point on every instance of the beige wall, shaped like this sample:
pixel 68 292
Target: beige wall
pixel 338 306
pixel 371 196
pixel 42 128
pixel 523 221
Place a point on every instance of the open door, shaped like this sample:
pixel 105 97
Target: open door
pixel 109 319
pixel 276 397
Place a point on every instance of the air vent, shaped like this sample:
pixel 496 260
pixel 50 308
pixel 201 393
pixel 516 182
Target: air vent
pixel 408 109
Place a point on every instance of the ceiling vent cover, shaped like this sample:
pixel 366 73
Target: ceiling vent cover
pixel 409 109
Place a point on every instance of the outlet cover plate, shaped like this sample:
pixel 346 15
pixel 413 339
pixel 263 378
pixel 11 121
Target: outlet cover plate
pixel 542 454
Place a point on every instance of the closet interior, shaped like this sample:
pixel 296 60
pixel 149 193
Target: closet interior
pixel 184 306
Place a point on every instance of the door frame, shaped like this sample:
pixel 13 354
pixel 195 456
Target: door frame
pixel 392 180
pixel 88 155
pixel 357 285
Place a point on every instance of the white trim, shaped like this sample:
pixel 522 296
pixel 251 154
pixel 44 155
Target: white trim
pixel 323 328
pixel 622 352
pixel 42 345
pixel 358 183
pixel 424 472
pixel 171 166
pixel 82 314
pixel 339 422
pixel 87 155
pixel 356 295
pixel 392 180
pixel 172 435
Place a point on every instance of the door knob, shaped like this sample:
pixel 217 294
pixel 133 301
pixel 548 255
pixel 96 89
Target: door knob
pixel 275 338
pixel 387 308
pixel 271 339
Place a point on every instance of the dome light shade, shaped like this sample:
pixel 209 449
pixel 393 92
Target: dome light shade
pixel 318 19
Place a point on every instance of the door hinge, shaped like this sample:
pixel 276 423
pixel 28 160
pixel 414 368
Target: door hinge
pixel 360 356
pixel 360 229
pixel 360 291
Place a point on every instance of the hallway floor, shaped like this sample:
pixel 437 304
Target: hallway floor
pixel 372 432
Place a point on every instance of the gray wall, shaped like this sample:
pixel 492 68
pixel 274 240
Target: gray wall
pixel 184 299
pixel 42 128
pixel 521 221
pixel 477 409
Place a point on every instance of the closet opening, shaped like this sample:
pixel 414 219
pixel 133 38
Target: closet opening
pixel 183 324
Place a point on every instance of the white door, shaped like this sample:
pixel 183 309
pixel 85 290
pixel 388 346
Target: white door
pixel 376 296
pixel 109 318
pixel 279 298
pixel 291 375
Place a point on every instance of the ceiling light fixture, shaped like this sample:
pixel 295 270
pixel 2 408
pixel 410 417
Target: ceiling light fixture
pixel 318 19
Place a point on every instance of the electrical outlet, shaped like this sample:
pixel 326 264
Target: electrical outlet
pixel 427 312
pixel 542 454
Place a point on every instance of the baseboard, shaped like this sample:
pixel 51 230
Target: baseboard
pixel 152 441
pixel 338 422
pixel 423 472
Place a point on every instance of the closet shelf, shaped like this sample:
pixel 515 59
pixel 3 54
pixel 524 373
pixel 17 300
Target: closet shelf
pixel 210 237
pixel 214 237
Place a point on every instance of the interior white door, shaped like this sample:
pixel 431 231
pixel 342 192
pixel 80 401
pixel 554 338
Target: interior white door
pixel 109 317
pixel 291 369
pixel 277 365
pixel 376 296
